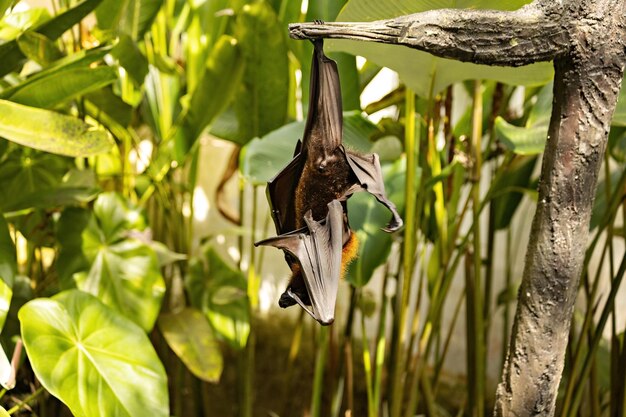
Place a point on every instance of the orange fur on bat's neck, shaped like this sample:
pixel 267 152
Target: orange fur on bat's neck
pixel 349 252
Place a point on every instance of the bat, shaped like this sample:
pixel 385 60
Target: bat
pixel 308 198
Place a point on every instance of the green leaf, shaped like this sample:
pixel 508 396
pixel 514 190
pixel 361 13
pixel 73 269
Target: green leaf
pixel 263 158
pixel 4 5
pixel 529 140
pixel 93 359
pixel 82 59
pixel 221 78
pixel 508 189
pixel 62 86
pixel 367 217
pixel 207 281
pixel 133 17
pixel 4 413
pixel 8 269
pixel 50 131
pixel 131 58
pixel 51 197
pixel 10 55
pixel 262 102
pixel 38 48
pixel 521 140
pixel 123 269
pixel 26 172
pixel 190 336
pixel 17 22
pixel 420 70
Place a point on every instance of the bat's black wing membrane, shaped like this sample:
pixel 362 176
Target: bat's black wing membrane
pixel 317 249
pixel 280 194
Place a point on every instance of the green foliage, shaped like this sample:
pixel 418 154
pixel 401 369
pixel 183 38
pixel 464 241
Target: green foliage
pixel 189 334
pixel 219 291
pixel 104 128
pixel 120 267
pixel 95 360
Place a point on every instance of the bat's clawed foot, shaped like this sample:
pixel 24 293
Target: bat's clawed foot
pixel 318 21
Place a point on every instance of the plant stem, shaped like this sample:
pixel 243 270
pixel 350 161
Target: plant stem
pixel 318 379
pixel 408 254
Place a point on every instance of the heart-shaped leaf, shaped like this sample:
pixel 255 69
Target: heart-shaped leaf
pixel 190 336
pixel 93 359
pixel 118 266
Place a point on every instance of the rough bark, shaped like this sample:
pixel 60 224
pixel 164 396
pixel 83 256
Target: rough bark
pixel 585 38
pixel 587 83
pixel 508 38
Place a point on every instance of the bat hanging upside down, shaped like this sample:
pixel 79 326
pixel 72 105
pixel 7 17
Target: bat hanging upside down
pixel 313 228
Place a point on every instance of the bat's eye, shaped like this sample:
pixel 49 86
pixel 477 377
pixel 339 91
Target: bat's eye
pixel 321 167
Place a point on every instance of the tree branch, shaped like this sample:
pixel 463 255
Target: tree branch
pixel 508 38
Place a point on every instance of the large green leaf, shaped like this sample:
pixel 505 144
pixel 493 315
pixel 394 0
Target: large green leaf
pixel 96 361
pixel 263 158
pixel 121 268
pixel 50 198
pixel 420 70
pixel 132 17
pixel 25 173
pixel 50 131
pixel 8 269
pixel 262 102
pixel 531 139
pixel 11 57
pixel 17 22
pixel 61 86
pixel 219 290
pixel 190 336
pixel 216 88
pixel 367 217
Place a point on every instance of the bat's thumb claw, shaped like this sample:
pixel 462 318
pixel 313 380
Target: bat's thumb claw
pixel 394 225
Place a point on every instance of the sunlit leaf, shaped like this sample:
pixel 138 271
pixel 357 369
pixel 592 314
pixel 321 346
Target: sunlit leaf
pixel 17 22
pixel 10 55
pixel 208 278
pixel 261 104
pixel 38 48
pixel 123 270
pixel 190 336
pixel 61 86
pixel 132 17
pixel 8 269
pixel 420 70
pixel 531 139
pixel 216 88
pixel 93 359
pixel 263 158
pixel 50 131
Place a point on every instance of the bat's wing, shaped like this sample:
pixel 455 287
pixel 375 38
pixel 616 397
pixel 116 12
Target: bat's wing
pixel 324 123
pixel 369 174
pixel 317 248
pixel 280 194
